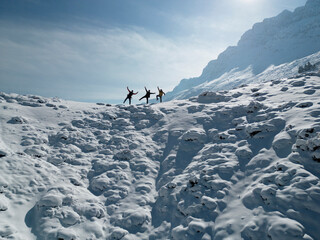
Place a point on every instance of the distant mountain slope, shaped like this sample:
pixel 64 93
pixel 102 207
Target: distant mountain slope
pixel 275 41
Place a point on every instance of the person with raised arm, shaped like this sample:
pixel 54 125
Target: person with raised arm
pixel 148 94
pixel 161 93
pixel 129 96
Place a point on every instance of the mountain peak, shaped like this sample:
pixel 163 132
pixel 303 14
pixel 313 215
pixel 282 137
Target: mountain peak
pixel 313 3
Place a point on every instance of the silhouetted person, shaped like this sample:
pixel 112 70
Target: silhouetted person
pixel 147 96
pixel 129 96
pixel 161 93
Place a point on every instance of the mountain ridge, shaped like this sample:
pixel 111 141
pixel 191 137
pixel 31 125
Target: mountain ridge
pixel 272 42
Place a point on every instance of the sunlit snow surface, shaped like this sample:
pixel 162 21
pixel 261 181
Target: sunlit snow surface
pixel 238 164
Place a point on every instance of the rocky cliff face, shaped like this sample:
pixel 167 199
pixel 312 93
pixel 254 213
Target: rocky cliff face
pixel 281 39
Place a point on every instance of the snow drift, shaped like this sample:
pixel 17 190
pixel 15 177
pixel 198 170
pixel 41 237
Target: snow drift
pixel 238 164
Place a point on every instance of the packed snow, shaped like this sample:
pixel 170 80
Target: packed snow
pixel 237 164
pixel 272 49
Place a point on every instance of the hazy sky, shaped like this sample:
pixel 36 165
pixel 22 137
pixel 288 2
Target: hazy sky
pixel 90 50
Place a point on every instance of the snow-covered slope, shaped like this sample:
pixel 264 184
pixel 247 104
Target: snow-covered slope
pixel 276 41
pixel 238 164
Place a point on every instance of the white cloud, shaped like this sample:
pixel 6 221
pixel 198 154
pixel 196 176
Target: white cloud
pixel 95 63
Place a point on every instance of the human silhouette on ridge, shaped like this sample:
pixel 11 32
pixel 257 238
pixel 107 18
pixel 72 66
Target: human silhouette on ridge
pixel 148 94
pixel 161 93
pixel 129 96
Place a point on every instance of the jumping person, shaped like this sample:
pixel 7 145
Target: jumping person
pixel 161 93
pixel 129 96
pixel 147 96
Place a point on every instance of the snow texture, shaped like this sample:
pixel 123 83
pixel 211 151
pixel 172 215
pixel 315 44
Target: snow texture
pixel 239 163
pixel 223 165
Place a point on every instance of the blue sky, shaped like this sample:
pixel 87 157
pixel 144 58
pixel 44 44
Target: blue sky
pixel 91 50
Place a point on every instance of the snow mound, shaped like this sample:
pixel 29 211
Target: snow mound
pixel 238 164
pixel 212 97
